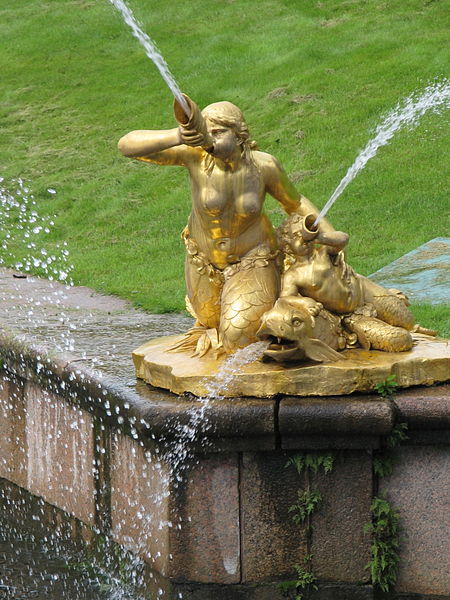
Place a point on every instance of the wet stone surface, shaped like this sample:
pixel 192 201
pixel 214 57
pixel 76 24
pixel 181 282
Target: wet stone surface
pixel 99 331
pixel 44 555
pixel 25 573
pixel 422 274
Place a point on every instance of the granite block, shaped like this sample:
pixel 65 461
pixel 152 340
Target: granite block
pixel 419 489
pixel 336 416
pixel 269 591
pixel 425 408
pixel 429 437
pixel 232 425
pixel 60 453
pixel 271 542
pixel 333 591
pixel 13 443
pixel 339 546
pixel 331 442
pixel 205 541
pixel 139 501
pixel 356 422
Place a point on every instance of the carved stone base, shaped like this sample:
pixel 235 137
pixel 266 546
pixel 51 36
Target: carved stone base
pixel 427 363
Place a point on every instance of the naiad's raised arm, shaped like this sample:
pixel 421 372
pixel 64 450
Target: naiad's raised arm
pixel 282 189
pixel 169 146
pixel 144 142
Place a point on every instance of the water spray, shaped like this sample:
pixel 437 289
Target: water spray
pixel 435 96
pixel 152 52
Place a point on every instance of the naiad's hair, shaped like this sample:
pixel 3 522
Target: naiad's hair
pixel 227 114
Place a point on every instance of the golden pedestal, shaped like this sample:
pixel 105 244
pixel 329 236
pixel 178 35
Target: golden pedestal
pixel 427 363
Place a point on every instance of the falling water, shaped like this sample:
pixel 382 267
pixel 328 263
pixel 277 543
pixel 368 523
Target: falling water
pixel 23 227
pixel 23 230
pixel 152 52
pixel 436 97
pixel 216 389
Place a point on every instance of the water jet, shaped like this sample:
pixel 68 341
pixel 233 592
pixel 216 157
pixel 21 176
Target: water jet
pixel 198 490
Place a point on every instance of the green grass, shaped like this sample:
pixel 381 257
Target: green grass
pixel 74 81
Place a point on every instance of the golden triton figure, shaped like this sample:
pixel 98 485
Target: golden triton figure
pixel 324 306
pixel 232 267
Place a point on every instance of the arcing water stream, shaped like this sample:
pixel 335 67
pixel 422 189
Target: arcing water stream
pixel 435 97
pixel 216 389
pixel 26 223
pixel 152 52
pixel 407 113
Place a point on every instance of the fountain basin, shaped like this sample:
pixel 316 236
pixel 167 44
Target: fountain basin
pixel 221 529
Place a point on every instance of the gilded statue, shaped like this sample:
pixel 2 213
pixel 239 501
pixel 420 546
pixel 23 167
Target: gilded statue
pixel 232 266
pixel 244 280
pixel 291 287
pixel 324 306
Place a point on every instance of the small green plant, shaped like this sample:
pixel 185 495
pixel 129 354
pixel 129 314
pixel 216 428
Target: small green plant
pixel 388 387
pixel 312 461
pixel 304 582
pixel 384 548
pixel 306 504
pixel 384 460
pixel 383 464
pixel 397 435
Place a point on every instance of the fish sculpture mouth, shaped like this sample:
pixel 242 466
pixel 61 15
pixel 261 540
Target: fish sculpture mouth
pixel 293 333
pixel 279 348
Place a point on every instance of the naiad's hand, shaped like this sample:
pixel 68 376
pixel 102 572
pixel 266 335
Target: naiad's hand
pixel 192 127
pixel 191 137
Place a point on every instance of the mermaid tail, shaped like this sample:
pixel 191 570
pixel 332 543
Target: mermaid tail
pixel 247 294
pixel 203 293
pixel 393 310
pixel 376 334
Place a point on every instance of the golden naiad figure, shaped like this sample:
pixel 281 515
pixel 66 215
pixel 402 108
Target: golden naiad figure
pixel 232 264
pixel 236 289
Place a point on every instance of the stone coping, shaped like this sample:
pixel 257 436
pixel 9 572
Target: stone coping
pixel 244 423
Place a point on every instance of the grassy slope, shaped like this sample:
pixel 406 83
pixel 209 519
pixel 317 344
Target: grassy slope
pixel 74 81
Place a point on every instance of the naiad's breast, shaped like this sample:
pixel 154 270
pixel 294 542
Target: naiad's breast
pixel 213 201
pixel 248 204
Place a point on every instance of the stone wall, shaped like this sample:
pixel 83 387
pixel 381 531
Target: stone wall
pixel 220 526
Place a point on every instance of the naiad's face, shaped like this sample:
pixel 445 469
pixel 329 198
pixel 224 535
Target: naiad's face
pixel 225 142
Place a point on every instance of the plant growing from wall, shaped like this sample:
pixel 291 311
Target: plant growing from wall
pixel 385 544
pixel 384 459
pixel 312 461
pixel 304 582
pixel 307 503
pixel 388 387
pixel 384 526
